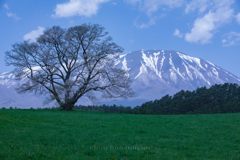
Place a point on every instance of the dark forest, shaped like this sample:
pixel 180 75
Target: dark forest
pixel 219 98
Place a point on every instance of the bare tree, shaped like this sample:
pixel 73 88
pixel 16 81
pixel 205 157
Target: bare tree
pixel 70 63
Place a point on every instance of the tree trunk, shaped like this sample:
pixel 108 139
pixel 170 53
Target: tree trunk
pixel 67 106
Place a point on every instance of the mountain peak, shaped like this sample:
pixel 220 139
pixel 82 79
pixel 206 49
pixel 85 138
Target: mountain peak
pixel 171 71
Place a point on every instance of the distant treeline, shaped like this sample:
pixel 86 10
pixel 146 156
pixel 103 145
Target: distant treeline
pixel 219 98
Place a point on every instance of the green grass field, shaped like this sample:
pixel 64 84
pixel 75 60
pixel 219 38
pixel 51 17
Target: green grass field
pixel 56 134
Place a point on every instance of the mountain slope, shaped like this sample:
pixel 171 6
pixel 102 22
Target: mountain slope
pixel 160 72
pixel 155 74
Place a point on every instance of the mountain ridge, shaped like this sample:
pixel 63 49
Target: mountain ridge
pixel 155 74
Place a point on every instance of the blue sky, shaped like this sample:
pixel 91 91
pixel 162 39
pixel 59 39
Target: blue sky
pixel 208 29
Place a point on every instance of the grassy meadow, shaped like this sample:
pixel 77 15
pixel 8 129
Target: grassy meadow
pixel 57 134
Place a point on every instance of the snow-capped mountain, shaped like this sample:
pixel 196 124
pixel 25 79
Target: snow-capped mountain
pixel 160 72
pixel 174 69
pixel 155 74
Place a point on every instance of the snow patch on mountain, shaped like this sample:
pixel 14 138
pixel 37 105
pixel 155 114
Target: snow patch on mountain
pixel 151 62
pixel 124 66
pixel 148 61
pixel 188 72
pixel 215 71
pixel 143 70
pixel 174 69
pixel 173 76
pixel 213 64
pixel 191 59
pixel 161 63
pixel 123 55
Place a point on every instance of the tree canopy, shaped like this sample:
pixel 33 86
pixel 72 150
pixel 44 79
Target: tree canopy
pixel 70 63
pixel 219 98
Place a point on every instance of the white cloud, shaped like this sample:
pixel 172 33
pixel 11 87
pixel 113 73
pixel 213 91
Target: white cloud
pixel 231 39
pixel 132 1
pixel 6 6
pixel 10 14
pixel 238 17
pixel 201 5
pixel 145 25
pixel 78 7
pixel 177 33
pixel 33 34
pixel 222 3
pixel 205 26
pixel 151 6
